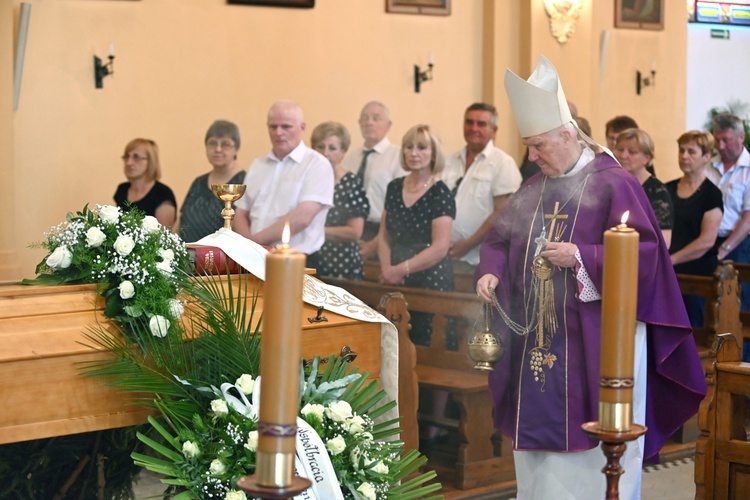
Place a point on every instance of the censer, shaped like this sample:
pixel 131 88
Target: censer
pixel 485 348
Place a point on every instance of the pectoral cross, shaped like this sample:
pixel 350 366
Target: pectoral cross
pixel 554 216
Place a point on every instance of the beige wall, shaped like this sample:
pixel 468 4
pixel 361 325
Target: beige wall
pixel 182 63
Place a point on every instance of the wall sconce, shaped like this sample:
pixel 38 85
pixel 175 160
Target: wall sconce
pixel 102 70
pixel 644 81
pixel 422 76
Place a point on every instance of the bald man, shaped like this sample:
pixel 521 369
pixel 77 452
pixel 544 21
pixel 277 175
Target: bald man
pixel 292 183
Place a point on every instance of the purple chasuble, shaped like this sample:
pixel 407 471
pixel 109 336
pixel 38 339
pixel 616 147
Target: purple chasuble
pixel 547 384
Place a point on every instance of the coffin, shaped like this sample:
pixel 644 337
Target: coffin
pixel 41 346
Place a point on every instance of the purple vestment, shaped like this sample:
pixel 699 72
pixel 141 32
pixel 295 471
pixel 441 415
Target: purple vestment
pixel 542 394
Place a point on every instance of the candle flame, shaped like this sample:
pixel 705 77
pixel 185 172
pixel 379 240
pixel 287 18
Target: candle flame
pixel 286 234
pixel 624 219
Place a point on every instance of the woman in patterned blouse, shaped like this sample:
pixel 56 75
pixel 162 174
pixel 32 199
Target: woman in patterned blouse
pixel 339 257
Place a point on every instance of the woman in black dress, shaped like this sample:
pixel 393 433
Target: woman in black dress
pixel 415 232
pixel 339 257
pixel 143 189
pixel 698 211
pixel 635 151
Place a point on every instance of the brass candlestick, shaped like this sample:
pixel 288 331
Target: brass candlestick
pixel 228 193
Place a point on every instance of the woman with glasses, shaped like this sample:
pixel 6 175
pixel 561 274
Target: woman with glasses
pixel 143 189
pixel 201 212
pixel 339 256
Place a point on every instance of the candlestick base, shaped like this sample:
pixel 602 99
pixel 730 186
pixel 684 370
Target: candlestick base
pixel 613 446
pixel 249 484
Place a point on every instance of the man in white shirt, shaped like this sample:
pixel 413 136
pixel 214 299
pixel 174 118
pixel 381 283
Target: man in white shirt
pixel 731 173
pixel 482 178
pixel 292 183
pixel 377 163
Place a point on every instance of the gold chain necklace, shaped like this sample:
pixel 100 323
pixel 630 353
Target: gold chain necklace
pixel 419 188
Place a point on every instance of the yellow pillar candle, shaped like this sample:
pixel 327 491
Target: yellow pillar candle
pixel 281 351
pixel 619 304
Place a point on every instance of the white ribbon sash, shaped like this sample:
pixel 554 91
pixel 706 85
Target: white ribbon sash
pixel 311 460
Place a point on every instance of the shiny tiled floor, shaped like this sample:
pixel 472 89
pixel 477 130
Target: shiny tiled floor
pixel 669 481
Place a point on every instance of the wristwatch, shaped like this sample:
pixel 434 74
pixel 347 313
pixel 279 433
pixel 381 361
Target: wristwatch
pixel 726 246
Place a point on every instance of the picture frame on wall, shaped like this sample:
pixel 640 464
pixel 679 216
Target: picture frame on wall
pixel 639 14
pixel 426 7
pixel 303 4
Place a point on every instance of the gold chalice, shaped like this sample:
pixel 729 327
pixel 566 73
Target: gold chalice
pixel 228 193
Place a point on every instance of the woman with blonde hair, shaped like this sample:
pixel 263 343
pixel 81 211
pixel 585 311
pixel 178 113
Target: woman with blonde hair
pixel 143 189
pixel 415 232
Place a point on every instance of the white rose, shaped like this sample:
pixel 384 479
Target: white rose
pixel 95 237
pixel 217 467
pixel 175 308
pixel 339 411
pixel 108 213
pixel 379 467
pixel 150 224
pixel 219 407
pixel 124 245
pixel 127 290
pixel 60 258
pixel 165 266
pixel 367 436
pixel 336 445
pixel 235 495
pixel 166 254
pixel 316 410
pixel 246 384
pixel 159 325
pixel 367 490
pixel 356 424
pixel 190 449
pixel 252 441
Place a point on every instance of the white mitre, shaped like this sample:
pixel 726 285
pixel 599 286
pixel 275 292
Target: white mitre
pixel 539 104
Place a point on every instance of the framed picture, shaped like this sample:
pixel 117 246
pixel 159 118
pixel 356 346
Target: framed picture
pixel 304 4
pixel 429 7
pixel 639 14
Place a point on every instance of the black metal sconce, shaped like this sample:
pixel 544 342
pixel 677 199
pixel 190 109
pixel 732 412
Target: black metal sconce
pixel 644 81
pixel 422 76
pixel 102 70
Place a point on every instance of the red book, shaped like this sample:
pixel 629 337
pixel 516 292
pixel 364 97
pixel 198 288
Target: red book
pixel 211 260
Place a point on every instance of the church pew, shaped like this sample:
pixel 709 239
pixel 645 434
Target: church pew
pixel 743 271
pixel 479 461
pixel 722 304
pixel 722 457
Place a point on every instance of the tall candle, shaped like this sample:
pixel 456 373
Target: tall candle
pixel 619 304
pixel 281 351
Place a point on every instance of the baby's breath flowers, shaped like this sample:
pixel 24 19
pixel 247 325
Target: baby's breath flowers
pixel 134 260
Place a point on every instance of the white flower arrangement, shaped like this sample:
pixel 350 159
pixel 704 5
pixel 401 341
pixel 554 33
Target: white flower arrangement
pixel 134 260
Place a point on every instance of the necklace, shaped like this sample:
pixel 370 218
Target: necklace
pixel 419 188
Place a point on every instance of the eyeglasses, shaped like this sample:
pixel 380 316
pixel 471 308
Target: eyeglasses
pixel 219 145
pixel 454 191
pixel 134 157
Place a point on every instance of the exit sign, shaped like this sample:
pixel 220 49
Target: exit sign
pixel 722 34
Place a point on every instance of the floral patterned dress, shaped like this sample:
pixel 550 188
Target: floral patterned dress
pixel 341 259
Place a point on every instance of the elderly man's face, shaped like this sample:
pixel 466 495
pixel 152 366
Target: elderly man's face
pixel 374 124
pixel 285 128
pixel 548 150
pixel 729 144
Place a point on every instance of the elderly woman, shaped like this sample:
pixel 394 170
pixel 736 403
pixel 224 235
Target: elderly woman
pixel 201 212
pixel 634 150
pixel 339 256
pixel 415 232
pixel 698 211
pixel 143 189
